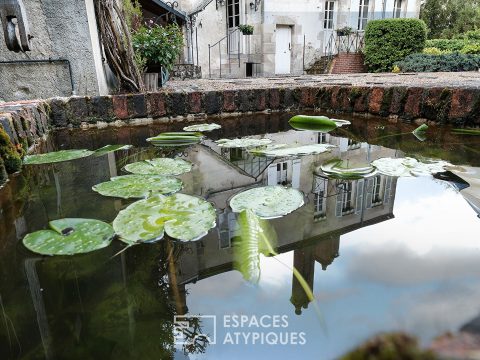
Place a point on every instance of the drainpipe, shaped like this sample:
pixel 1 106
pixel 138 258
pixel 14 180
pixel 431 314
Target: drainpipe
pixel 45 61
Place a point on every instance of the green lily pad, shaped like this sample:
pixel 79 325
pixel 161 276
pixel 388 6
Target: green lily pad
pixel 408 167
pixel 182 217
pixel 286 150
pixel 176 139
pixel 421 132
pixel 339 169
pixel 160 166
pixel 138 186
pixel 466 131
pixel 110 148
pixel 203 127
pixel 242 143
pixel 70 237
pixel 268 202
pixel 55 157
pixel 316 123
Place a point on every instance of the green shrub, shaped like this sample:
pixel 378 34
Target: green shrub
pixel 434 63
pixel 158 45
pixel 434 51
pixel 391 40
pixel 447 44
pixel 470 35
pixel 471 49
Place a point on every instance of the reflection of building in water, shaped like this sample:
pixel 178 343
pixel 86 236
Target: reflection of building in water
pixel 333 207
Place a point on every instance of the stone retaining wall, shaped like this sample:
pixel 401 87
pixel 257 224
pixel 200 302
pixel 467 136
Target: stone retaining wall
pixel 26 122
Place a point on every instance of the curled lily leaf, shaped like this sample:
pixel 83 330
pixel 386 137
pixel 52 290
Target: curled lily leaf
pixel 316 123
pixel 110 148
pixel 338 169
pixel 176 139
pixel 407 167
pixel 421 132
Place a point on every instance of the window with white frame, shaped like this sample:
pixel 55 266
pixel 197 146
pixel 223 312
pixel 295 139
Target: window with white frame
pixel 347 205
pixel 397 8
pixel 322 138
pixel 376 190
pixel 329 11
pixel 320 198
pixel 233 13
pixel 282 169
pixel 363 14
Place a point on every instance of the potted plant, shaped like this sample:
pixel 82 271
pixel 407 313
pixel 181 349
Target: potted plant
pixel 158 46
pixel 345 31
pixel 246 29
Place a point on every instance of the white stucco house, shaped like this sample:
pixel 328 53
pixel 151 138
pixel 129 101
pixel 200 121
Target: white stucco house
pixel 289 36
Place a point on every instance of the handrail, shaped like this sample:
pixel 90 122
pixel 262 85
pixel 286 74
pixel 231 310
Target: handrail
pixel 210 47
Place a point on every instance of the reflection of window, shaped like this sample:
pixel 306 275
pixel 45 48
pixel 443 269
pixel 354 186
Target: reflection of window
pixel 377 184
pixel 282 173
pixel 397 8
pixel 352 144
pixel 329 8
pixel 347 198
pixel 237 154
pixel 320 197
pixel 363 14
pixel 233 8
pixel 227 229
pixel 345 204
pixel 322 138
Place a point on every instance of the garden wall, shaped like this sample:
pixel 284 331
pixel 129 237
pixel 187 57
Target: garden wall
pixel 26 122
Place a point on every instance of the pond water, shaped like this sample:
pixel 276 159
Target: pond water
pixel 403 256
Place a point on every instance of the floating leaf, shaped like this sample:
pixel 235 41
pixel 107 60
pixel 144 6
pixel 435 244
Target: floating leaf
pixel 176 139
pixel 316 123
pixel 409 166
pixel 70 237
pixel 338 169
pixel 466 131
pixel 55 157
pixel 111 148
pixel 421 132
pixel 182 217
pixel 160 166
pixel 242 143
pixel 257 236
pixel 285 150
pixel 203 127
pixel 268 202
pixel 138 186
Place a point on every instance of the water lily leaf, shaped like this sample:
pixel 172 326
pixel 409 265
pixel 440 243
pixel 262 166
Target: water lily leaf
pixel 182 217
pixel 316 123
pixel 55 157
pixel 339 169
pixel 138 186
pixel 203 127
pixel 70 237
pixel 257 236
pixel 286 150
pixel 268 202
pixel 242 143
pixel 176 139
pixel 421 132
pixel 160 166
pixel 110 148
pixel 408 167
pixel 466 131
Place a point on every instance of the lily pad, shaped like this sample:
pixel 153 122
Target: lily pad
pixel 182 217
pixel 316 123
pixel 55 157
pixel 466 131
pixel 421 132
pixel 70 237
pixel 160 166
pixel 407 167
pixel 268 202
pixel 138 186
pixel 286 150
pixel 176 139
pixel 339 169
pixel 203 127
pixel 242 143
pixel 110 148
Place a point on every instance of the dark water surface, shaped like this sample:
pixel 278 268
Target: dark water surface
pixel 405 256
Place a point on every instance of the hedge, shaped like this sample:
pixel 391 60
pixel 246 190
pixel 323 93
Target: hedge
pixel 434 63
pixel 447 44
pixel 391 40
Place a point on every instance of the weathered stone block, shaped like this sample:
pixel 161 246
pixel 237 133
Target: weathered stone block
pixel 101 108
pixel 273 99
pixel 376 100
pixel 156 105
pixel 260 99
pixel 463 103
pixel 194 102
pixel 212 102
pixel 412 108
pixel 360 96
pixel 136 105
pixel 6 123
pixel 436 104
pixel 229 101
pixel 399 96
pixel 58 112
pixel 120 108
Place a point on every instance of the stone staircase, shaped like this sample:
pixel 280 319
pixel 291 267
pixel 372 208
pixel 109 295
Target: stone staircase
pixel 348 63
pixel 321 66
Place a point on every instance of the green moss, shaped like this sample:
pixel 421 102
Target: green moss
pixel 11 158
pixel 3 172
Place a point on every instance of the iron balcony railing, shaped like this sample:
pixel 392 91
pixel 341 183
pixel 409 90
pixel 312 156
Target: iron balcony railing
pixel 351 43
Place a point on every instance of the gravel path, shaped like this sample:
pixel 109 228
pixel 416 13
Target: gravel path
pixel 459 79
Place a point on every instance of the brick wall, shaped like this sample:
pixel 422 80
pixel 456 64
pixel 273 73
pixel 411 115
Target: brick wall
pixel 348 64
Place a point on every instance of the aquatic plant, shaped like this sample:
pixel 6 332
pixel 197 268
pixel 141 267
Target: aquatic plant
pixel 138 186
pixel 70 237
pixel 268 202
pixel 160 166
pixel 110 148
pixel 338 169
pixel 242 143
pixel 56 156
pixel 407 167
pixel 203 127
pixel 182 217
pixel 282 150
pixel 421 132
pixel 466 131
pixel 316 123
pixel 176 139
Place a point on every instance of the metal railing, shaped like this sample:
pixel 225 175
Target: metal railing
pixel 236 36
pixel 351 43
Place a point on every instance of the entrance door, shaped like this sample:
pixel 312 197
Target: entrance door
pixel 283 50
pixel 233 20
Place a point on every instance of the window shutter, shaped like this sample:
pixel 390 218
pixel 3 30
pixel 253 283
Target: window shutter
pixel 339 201
pixel 388 190
pixel 359 200
pixel 272 175
pixel 369 195
pixel 296 171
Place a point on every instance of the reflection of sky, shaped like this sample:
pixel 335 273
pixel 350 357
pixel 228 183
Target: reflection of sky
pixel 418 272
